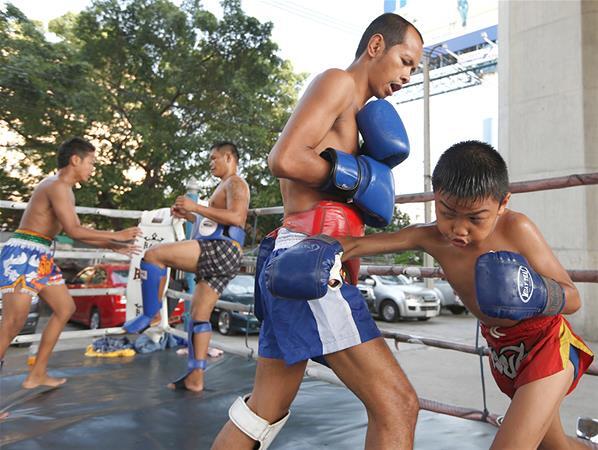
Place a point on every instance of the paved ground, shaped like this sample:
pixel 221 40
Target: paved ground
pixel 444 375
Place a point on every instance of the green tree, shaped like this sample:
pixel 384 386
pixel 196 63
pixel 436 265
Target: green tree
pixel 14 189
pixel 399 220
pixel 155 84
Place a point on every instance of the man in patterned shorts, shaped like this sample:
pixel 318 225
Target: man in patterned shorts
pixel 27 267
pixel 214 254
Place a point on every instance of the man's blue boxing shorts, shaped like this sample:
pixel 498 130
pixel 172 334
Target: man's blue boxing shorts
pixel 295 330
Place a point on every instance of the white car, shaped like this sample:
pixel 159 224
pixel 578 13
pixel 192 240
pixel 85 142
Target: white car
pixel 396 297
pixel 448 297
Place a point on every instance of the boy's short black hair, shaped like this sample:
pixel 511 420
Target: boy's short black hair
pixel 227 147
pixel 391 26
pixel 471 170
pixel 73 146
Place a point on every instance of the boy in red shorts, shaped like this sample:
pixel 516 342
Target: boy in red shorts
pixel 505 273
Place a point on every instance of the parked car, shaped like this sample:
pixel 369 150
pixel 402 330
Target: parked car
pixel 367 291
pixel 448 297
pixel 395 297
pixel 30 326
pixel 239 290
pixel 104 311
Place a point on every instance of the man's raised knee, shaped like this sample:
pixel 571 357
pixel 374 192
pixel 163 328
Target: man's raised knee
pixel 152 255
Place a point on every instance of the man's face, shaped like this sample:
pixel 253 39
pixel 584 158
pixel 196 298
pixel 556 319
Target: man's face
pixel 393 67
pixel 84 165
pixel 218 163
pixel 465 223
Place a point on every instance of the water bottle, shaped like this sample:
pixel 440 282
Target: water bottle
pixel 32 356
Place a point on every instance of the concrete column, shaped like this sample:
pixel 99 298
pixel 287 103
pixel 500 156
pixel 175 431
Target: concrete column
pixel 548 126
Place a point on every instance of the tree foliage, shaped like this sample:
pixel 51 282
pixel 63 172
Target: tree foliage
pixel 413 257
pixel 155 85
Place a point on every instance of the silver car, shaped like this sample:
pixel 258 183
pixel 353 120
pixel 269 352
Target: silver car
pixel 448 297
pixel 396 297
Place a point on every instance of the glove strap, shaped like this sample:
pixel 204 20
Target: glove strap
pixel 555 297
pixel 345 174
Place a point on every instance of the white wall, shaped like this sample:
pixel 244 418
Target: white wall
pixel 548 113
pixel 454 116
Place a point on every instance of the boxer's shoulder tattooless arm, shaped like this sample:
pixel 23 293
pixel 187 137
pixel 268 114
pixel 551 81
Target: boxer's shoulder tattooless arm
pixel 62 200
pixel 295 155
pixel 530 243
pixel 408 238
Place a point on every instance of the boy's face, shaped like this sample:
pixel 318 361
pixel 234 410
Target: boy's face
pixel 393 66
pixel 84 165
pixel 465 223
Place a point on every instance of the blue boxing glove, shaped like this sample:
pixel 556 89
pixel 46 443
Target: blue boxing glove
pixel 508 288
pixel 305 270
pixel 384 135
pixel 364 180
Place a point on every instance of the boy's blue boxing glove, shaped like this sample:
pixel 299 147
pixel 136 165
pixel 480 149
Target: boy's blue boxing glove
pixel 384 135
pixel 305 270
pixel 508 288
pixel 364 180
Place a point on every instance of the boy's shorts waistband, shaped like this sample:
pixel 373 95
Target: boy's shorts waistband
pixel 524 326
pixel 32 236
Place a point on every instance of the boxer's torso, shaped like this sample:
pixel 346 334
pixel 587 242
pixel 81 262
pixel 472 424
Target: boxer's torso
pixel 39 216
pixel 458 264
pixel 343 135
pixel 228 187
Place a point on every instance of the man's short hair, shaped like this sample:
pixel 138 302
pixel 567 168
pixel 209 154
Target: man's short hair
pixel 391 26
pixel 471 170
pixel 73 146
pixel 227 147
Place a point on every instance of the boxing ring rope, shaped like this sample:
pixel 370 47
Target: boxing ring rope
pixel 314 370
pixel 580 276
pixel 519 187
pixel 115 213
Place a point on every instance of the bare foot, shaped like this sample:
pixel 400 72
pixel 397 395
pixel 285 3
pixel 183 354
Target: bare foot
pixel 46 380
pixel 193 382
pixel 214 352
pixel 3 415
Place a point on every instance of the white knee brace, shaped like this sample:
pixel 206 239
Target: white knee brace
pixel 253 425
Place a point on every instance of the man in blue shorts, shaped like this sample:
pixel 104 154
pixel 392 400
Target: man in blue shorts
pixel 329 185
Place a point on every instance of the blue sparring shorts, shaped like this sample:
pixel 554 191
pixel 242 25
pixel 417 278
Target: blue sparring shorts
pixel 27 264
pixel 295 330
